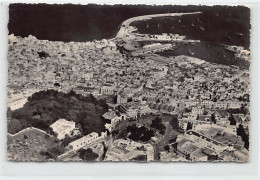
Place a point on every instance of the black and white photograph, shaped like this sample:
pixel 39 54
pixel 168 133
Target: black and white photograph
pixel 128 83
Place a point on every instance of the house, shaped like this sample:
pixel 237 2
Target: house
pixel 222 117
pixel 210 153
pixel 88 75
pixel 204 118
pixel 183 124
pixel 197 110
pixel 108 126
pixel 144 108
pixel 205 141
pixel 220 105
pixel 114 118
pixel 241 155
pixel 121 98
pixel 108 88
pixel 186 148
pixel 234 104
pixel 127 150
pixel 130 110
pixel 206 103
pixel 198 156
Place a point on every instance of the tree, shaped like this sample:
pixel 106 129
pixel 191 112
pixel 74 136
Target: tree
pixel 14 126
pixel 240 110
pixel 173 140
pixel 187 110
pixel 50 131
pixel 175 123
pixel 45 107
pixel 114 132
pixel 214 99
pixel 175 145
pixel 142 158
pixel 9 113
pixel 241 132
pixel 167 148
pixel 138 133
pixel 189 126
pixel 232 120
pixel 68 139
pixel 87 155
pixel 157 124
pixel 56 150
pixel 213 118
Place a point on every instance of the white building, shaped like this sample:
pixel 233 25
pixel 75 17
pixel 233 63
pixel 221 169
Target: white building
pixel 144 108
pixel 130 110
pixel 220 105
pixel 204 141
pixel 63 127
pixel 197 110
pixel 121 99
pixel 114 118
pixel 88 75
pixel 88 139
pixel 108 89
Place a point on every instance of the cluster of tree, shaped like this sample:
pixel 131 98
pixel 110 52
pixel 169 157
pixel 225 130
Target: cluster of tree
pixel 175 123
pixel 52 152
pixel 141 158
pixel 115 132
pixel 68 139
pixel 138 133
pixel 56 150
pixel 241 132
pixel 242 110
pixel 13 126
pixel 47 155
pixel 173 140
pixel 189 126
pixel 43 54
pixel 213 118
pixel 167 148
pixel 157 124
pixel 245 98
pixel 187 110
pixel 45 107
pixel 105 150
pixel 87 155
pixel 232 120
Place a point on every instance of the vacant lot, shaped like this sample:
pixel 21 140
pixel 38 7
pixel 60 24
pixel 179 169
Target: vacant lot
pixel 33 145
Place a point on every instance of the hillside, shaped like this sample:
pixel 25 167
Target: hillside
pixel 45 107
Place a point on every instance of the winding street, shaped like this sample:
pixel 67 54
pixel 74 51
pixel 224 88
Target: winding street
pixel 162 141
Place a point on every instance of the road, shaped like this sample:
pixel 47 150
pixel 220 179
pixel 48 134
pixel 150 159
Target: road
pixel 125 25
pixel 162 141
pixel 66 155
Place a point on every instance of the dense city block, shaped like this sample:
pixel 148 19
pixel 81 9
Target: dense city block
pixel 136 97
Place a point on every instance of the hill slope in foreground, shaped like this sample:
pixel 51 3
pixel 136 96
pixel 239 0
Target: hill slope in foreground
pixel 45 107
